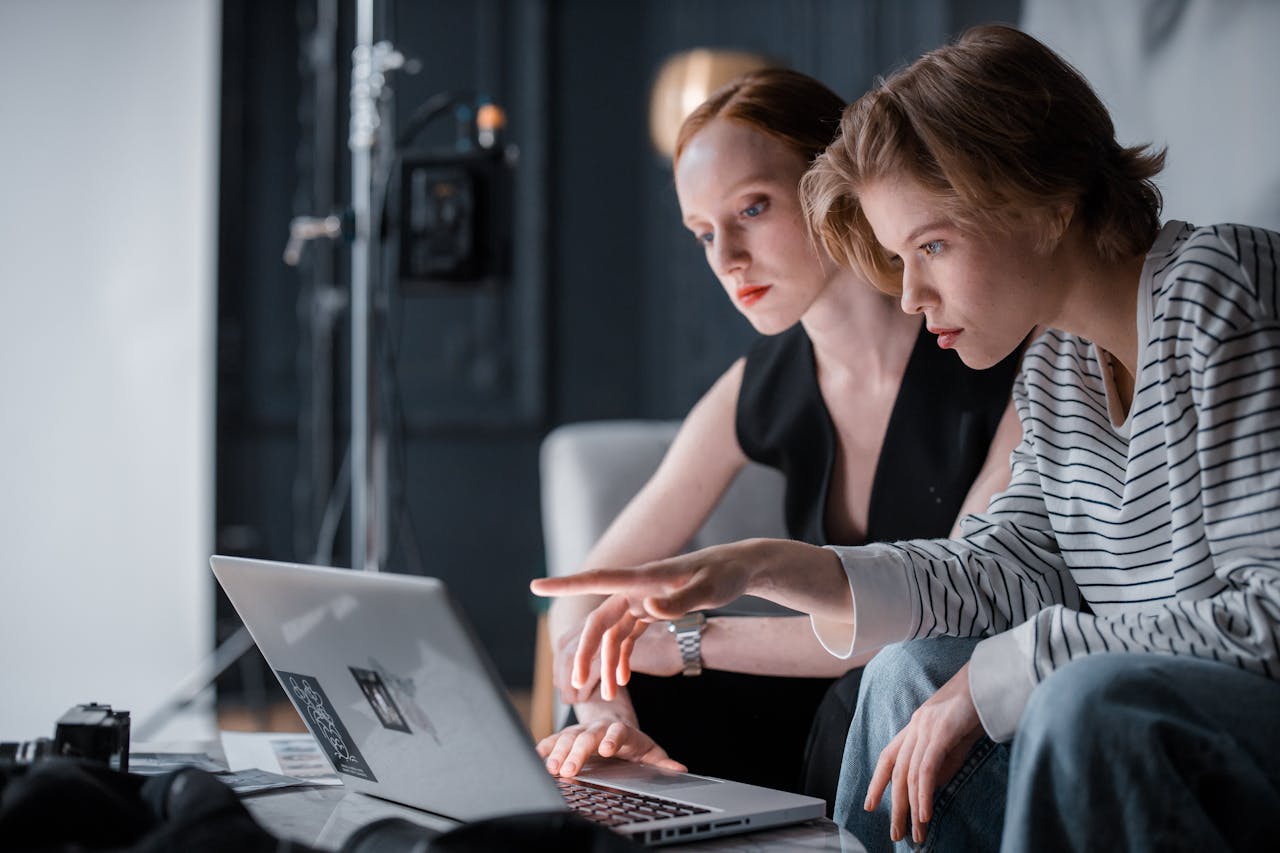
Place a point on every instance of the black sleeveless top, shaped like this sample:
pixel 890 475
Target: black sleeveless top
pixel 938 437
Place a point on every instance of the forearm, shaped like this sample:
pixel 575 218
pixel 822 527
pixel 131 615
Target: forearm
pixel 803 577
pixel 764 645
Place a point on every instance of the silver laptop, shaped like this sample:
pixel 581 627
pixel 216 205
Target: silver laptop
pixel 394 685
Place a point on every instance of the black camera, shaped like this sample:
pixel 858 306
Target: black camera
pixel 91 732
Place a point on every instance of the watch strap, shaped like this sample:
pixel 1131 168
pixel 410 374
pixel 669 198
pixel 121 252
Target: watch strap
pixel 688 633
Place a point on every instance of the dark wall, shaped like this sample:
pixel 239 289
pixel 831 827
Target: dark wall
pixel 609 310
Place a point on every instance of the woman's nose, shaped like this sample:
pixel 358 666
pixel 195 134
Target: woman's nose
pixel 916 295
pixel 728 255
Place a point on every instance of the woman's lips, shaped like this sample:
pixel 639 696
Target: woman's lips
pixel 946 337
pixel 751 294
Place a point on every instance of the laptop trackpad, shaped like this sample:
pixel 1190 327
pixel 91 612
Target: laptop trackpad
pixel 643 775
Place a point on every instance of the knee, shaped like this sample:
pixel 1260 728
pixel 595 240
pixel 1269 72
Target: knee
pixel 890 676
pixel 1088 700
pixel 933 660
pixel 888 662
pixel 903 675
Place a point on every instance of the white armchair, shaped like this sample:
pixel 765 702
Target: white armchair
pixel 589 472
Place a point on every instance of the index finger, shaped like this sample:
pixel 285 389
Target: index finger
pixel 591 581
pixel 883 773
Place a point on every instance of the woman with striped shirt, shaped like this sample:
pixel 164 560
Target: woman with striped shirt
pixel 1094 662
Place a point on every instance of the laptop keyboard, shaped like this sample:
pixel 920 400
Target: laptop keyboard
pixel 614 807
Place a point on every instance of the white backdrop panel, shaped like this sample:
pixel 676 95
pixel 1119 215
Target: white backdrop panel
pixel 107 249
pixel 1197 76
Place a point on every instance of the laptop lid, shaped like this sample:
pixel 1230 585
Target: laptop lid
pixel 389 677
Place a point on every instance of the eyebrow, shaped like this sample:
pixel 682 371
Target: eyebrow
pixel 928 226
pixel 761 178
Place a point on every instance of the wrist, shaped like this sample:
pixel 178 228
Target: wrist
pixel 599 710
pixel 687 632
pixel 656 653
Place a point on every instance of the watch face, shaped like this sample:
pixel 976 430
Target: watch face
pixel 688 621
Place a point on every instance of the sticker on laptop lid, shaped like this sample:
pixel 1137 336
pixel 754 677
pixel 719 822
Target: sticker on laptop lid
pixel 380 699
pixel 330 733
pixel 404 693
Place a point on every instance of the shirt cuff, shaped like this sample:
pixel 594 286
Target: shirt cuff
pixel 882 612
pixel 1000 681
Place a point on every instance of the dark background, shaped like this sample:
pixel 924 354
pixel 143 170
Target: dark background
pixel 609 312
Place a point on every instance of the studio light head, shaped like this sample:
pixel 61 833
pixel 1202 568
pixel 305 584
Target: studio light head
pixel 453 216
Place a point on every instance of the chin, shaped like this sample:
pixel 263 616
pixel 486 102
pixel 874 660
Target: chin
pixel 769 324
pixel 982 359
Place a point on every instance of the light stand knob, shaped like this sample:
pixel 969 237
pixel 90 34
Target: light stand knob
pixel 304 229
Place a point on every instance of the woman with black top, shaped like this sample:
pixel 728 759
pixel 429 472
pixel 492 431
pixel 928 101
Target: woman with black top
pixel 881 435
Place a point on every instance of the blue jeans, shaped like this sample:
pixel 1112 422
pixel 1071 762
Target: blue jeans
pixel 1117 752
pixel 968 810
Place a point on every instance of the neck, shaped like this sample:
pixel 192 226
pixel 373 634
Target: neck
pixel 1098 300
pixel 857 329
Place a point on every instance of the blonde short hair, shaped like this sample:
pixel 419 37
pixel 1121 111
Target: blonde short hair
pixel 1003 132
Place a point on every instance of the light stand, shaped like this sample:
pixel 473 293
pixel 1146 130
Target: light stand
pixel 368 442
pixel 367 452
pixel 367 456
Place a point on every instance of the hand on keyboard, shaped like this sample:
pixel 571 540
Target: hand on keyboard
pixel 568 749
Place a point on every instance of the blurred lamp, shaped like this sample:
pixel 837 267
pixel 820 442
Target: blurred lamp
pixel 684 81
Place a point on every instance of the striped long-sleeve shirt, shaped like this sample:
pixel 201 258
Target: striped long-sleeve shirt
pixel 1159 534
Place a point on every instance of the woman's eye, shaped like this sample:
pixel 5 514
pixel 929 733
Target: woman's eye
pixel 703 239
pixel 755 210
pixel 932 248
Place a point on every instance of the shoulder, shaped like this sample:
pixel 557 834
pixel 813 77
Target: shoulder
pixel 724 393
pixel 1213 281
pixel 710 426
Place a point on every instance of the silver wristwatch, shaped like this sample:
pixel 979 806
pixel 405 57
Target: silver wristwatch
pixel 688 632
